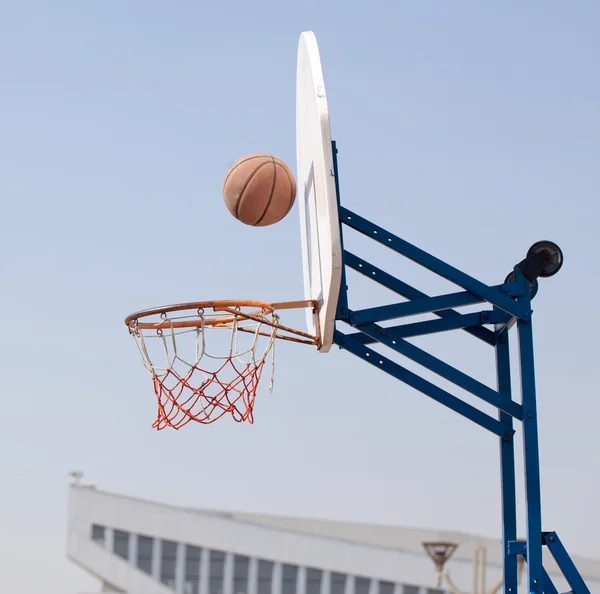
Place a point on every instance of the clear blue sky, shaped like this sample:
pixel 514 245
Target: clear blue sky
pixel 471 129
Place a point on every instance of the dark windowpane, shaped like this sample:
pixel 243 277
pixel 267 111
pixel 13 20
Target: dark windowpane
pixel 411 590
pixel 192 569
pixel 338 583
pixel 144 553
pixel 98 534
pixel 434 591
pixel 168 561
pixel 313 580
pixel 265 576
pixel 361 585
pixel 121 544
pixel 289 576
pixel 386 588
pixel 216 572
pixel 241 566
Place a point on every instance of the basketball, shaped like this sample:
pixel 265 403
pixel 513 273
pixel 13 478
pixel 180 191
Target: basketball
pixel 259 189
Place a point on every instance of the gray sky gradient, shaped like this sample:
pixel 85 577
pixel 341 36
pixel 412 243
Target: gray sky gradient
pixel 470 129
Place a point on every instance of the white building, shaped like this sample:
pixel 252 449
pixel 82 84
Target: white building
pixel 141 547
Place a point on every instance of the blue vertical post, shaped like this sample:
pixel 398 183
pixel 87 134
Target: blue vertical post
pixel 342 305
pixel 530 446
pixel 507 465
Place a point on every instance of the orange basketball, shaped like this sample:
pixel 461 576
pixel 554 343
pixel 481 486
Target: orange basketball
pixel 259 189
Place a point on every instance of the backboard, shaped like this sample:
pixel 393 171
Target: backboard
pixel 317 197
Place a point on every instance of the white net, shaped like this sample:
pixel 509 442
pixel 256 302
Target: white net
pixel 193 384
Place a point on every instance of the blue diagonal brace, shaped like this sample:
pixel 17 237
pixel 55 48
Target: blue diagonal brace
pixel 412 308
pixel 432 263
pixel 458 322
pixel 422 385
pixel 405 290
pixel 565 563
pixel 549 587
pixel 520 548
pixel 448 372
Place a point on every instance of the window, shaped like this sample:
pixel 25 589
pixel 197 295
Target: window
pixel 411 590
pixel 144 553
pixel 265 576
pixel 434 591
pixel 99 534
pixel 241 566
pixel 338 583
pixel 386 588
pixel 361 585
pixel 313 580
pixel 193 556
pixel 121 544
pixel 168 561
pixel 216 572
pixel 289 576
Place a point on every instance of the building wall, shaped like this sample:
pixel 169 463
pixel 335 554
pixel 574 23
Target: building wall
pixel 190 569
pixel 147 548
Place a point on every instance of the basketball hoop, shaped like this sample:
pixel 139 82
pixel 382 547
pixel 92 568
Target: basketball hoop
pixel 192 384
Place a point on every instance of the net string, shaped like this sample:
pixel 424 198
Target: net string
pixel 192 391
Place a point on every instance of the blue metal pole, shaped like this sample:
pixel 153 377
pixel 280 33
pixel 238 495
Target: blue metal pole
pixel 342 305
pixel 530 449
pixel 507 465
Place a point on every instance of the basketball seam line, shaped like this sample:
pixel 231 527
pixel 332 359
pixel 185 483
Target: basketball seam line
pixel 232 168
pixel 248 180
pixel 271 194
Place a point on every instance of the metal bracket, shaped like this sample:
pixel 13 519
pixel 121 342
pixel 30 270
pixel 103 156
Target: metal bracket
pixel 511 305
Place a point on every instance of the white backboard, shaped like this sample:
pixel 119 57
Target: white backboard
pixel 319 224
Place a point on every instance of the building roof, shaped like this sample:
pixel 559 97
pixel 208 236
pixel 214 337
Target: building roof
pixel 399 538
pixel 393 537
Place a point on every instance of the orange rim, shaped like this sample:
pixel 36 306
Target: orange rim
pixel 232 307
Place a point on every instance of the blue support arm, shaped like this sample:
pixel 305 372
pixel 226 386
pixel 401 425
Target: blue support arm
pixel 405 290
pixel 448 372
pixel 432 263
pixel 422 385
pixel 412 308
pixel 458 322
